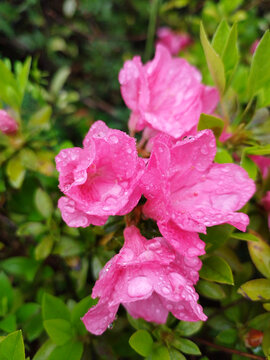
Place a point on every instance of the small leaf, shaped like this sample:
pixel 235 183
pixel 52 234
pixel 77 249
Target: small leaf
pixel 230 56
pixel 260 255
pixel 22 76
pixel 54 308
pixel 12 347
pixel 81 308
pixel 29 159
pixel 220 37
pixel 211 122
pixel 159 353
pixel 8 324
pixel 43 203
pixel 188 328
pixel 142 342
pixel 70 351
pixel 214 62
pixel 176 355
pixel 15 172
pixel 223 156
pixel 59 330
pixel 244 236
pixel 216 269
pixel 210 290
pixel 266 342
pixel 259 72
pixel 256 290
pixel 41 119
pixel 43 249
pixel 186 346
pixel 6 294
pixel 249 166
pixel 227 337
pixel 260 322
pixel 45 350
pixel 22 267
pixel 59 80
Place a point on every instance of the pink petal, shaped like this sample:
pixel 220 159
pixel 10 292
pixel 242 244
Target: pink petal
pixel 7 124
pixel 99 317
pixel 150 309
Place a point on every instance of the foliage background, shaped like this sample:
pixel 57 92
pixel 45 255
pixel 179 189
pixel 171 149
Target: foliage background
pixel 77 49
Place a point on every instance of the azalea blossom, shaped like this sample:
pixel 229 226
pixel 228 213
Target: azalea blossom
pixel 173 41
pixel 186 191
pixel 149 278
pixel 166 94
pixel 7 124
pixel 101 179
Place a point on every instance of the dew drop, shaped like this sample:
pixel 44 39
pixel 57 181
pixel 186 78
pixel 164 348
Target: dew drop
pixel 114 139
pixel 204 149
pixel 139 286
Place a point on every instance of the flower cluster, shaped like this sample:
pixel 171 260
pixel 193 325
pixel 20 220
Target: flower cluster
pixel 185 192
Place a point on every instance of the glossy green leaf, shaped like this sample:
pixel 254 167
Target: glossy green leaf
pixel 8 323
pixel 186 346
pixel 230 56
pixel 216 269
pixel 59 330
pixel 21 267
pixel 211 122
pixel 12 347
pixel 220 37
pixel 15 172
pixel 176 355
pixel 142 342
pixel 259 72
pixel 210 290
pixel 43 203
pixel 159 353
pixel 45 350
pixel 70 351
pixel 256 290
pixel 216 236
pixel 214 62
pixel 260 254
pixel 249 166
pixel 43 249
pixel 223 156
pixel 54 308
pixel 188 328
pixel 244 236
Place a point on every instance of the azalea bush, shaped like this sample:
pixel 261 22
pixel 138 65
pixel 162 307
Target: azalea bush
pixel 134 181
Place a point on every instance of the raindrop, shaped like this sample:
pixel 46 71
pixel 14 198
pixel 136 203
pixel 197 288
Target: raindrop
pixel 204 149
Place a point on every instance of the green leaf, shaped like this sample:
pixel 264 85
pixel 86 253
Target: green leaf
pixel 22 76
pixel 59 330
pixel 227 337
pixel 15 172
pixel 258 150
pixel 214 62
pixel 186 346
pixel 266 342
pixel 12 347
pixel 249 166
pixel 43 203
pixel 230 56
pixel 41 119
pixel 176 355
pixel 187 328
pixel 259 72
pixel 70 351
pixel 210 290
pixel 220 37
pixel 29 159
pixel 59 80
pixel 216 269
pixel 223 156
pixel 43 249
pixel 142 342
pixel 260 255
pixel 8 324
pixel 67 246
pixel 22 267
pixel 45 350
pixel 244 236
pixel 54 308
pixel 8 87
pixel 256 290
pixel 260 322
pixel 216 236
pixel 159 353
pixel 211 122
pixel 6 294
pixel 138 323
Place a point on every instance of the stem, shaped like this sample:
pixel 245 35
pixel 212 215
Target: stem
pixel 151 29
pixel 228 350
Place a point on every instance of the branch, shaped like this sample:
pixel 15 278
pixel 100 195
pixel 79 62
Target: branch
pixel 228 350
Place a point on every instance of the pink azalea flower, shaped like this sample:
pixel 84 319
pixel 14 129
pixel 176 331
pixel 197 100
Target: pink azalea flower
pixel 263 164
pixel 101 179
pixel 7 124
pixel 173 41
pixel 266 205
pixel 254 46
pixel 150 279
pixel 166 94
pixel 186 191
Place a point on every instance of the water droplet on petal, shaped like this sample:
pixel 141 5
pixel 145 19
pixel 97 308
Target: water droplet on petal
pixel 114 139
pixel 204 149
pixel 139 286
